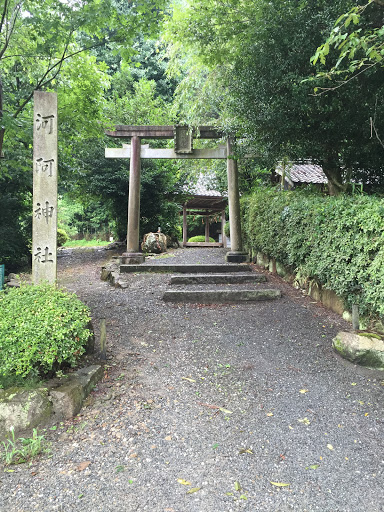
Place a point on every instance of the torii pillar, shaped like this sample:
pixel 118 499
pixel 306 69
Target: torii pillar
pixel 236 254
pixel 133 256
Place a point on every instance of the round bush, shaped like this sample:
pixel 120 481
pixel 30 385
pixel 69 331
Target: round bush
pixel 42 329
pixel 199 238
pixel 62 237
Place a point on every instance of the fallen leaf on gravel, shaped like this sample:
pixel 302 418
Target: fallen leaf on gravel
pixel 225 411
pixel 245 450
pixel 330 447
pixel 353 384
pixel 237 486
pixel 194 489
pixel 83 465
pixel 280 484
pixel 313 466
pixel 188 379
pixel 302 391
pixel 269 413
pixel 304 420
pixel 183 482
pixel 168 438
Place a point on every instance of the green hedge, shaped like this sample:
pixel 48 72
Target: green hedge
pixel 199 238
pixel 337 240
pixel 42 329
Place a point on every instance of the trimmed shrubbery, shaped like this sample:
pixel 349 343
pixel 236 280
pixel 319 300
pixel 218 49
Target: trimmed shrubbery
pixel 338 241
pixel 62 237
pixel 42 329
pixel 199 238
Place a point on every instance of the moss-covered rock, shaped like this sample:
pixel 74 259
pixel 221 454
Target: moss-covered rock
pixel 23 409
pixel 363 350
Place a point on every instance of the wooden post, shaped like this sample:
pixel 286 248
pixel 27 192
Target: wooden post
pixel 185 226
pixel 236 255
pixel 133 256
pixel 223 222
pixel 207 229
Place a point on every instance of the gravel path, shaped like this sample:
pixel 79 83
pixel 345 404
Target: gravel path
pixel 223 400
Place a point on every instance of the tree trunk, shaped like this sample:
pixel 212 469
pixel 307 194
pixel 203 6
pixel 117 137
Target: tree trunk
pixel 332 170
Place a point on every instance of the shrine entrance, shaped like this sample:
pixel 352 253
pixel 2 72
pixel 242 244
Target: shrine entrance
pixel 183 148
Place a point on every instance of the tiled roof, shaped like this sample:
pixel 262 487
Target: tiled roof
pixel 303 173
pixel 203 187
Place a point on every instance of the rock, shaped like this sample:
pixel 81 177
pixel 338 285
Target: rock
pixel 155 243
pixel 23 409
pixel 363 350
pixel 68 398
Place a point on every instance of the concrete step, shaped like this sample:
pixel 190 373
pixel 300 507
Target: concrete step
pixel 219 278
pixel 186 269
pixel 219 296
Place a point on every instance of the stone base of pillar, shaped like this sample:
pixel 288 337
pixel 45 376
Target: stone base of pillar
pixel 132 258
pixel 237 257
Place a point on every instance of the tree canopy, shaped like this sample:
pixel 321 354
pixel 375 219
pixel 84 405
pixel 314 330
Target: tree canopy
pixel 259 53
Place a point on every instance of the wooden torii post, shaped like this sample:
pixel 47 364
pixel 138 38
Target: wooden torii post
pixel 183 148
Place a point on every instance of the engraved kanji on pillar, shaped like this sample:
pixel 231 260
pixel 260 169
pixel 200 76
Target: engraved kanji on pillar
pixel 44 227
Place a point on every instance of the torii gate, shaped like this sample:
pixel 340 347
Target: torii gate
pixel 183 137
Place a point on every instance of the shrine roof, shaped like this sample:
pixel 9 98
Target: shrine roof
pixel 305 172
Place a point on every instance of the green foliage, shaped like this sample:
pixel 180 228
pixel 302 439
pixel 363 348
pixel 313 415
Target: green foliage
pixel 62 237
pixel 338 241
pixel 18 451
pixel 358 38
pixel 42 329
pixel 199 238
pixel 258 56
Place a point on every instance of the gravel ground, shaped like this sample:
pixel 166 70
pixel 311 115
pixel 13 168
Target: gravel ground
pixel 221 400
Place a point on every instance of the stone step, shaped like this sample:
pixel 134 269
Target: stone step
pixel 237 278
pixel 187 269
pixel 219 296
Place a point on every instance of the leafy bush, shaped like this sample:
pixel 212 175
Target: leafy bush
pixel 337 240
pixel 62 237
pixel 199 238
pixel 42 329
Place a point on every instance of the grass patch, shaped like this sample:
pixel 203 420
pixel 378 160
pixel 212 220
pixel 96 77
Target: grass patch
pixel 18 451
pixel 85 243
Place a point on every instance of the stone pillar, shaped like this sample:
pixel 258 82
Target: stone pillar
pixel 133 256
pixel 185 226
pixel 207 229
pixel 223 222
pixel 236 254
pixel 44 223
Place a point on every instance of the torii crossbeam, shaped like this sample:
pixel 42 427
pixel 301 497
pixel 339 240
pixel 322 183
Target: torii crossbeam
pixel 183 148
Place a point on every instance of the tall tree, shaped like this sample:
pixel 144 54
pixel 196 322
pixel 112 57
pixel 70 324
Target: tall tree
pixel 37 37
pixel 261 52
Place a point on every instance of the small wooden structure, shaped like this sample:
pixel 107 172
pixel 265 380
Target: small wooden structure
pixel 207 203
